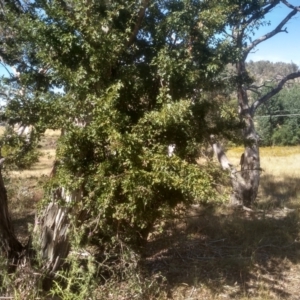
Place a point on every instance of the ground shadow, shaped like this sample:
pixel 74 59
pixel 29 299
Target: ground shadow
pixel 21 226
pixel 231 253
pixel 279 192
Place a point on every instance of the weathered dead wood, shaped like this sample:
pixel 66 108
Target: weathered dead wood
pixel 53 228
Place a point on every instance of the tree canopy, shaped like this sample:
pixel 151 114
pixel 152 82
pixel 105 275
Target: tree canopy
pixel 124 81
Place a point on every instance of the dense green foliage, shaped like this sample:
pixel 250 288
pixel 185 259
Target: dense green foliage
pixel 121 97
pixel 19 151
pixel 279 120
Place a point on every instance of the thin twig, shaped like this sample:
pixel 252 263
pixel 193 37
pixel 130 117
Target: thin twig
pixel 274 246
pixel 178 254
pixel 192 292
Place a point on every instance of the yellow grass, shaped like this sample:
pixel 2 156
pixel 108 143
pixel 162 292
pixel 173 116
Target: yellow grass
pixel 2 129
pixel 44 166
pixel 25 188
pixel 276 161
pixel 280 177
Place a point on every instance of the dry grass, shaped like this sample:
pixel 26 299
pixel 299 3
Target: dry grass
pixel 277 161
pixel 229 255
pixel 280 177
pixel 25 188
pixel 220 253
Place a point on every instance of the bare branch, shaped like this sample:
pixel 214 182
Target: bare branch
pixel 271 33
pixel 263 12
pixel 2 161
pixel 274 91
pixel 221 156
pixel 255 88
pixel 236 178
pixel 290 5
pixel 4 66
pixel 138 22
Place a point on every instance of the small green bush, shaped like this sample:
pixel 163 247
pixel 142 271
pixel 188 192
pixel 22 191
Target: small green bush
pixel 19 152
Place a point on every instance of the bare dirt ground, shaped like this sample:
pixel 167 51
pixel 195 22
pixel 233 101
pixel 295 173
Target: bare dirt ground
pixel 211 252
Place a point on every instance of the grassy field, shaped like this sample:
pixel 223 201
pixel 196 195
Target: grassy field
pixel 211 252
pixel 280 177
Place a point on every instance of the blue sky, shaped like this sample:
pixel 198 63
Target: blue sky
pixel 282 47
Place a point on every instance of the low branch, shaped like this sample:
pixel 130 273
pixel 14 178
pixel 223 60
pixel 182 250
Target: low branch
pixel 271 33
pixel 290 5
pixel 221 156
pixel 273 92
pixel 140 17
pixel 255 89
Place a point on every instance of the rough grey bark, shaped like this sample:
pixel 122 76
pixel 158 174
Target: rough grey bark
pixel 243 181
pixel 9 244
pixel 246 191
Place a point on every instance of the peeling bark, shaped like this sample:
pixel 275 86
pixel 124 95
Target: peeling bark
pixel 52 229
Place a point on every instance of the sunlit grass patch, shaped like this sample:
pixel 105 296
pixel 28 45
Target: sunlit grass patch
pixel 268 151
pixel 2 129
pixel 25 187
pixel 280 177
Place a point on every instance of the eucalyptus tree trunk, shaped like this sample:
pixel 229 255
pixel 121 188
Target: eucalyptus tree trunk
pixel 245 182
pixel 246 191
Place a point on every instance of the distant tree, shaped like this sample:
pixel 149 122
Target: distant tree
pixel 266 72
pixel 279 120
